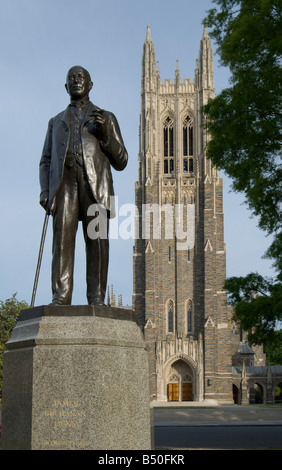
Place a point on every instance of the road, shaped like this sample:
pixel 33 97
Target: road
pixel 218 428
pixel 219 437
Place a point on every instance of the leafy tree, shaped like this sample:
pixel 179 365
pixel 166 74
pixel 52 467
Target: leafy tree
pixel 244 122
pixel 258 309
pixel 273 350
pixel 9 312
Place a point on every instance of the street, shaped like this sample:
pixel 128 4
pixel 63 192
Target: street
pixel 219 437
pixel 250 428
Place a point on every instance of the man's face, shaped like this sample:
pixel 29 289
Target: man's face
pixel 78 83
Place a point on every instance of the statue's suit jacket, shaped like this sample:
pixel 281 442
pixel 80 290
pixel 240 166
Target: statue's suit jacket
pixel 98 156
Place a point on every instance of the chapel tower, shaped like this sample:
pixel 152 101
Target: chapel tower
pixel 179 252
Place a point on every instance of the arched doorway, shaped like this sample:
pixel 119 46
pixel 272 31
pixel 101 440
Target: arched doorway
pixel 235 391
pixel 180 382
pixel 256 393
pixel 278 393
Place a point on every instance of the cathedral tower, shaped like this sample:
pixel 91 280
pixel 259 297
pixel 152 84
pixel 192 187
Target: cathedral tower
pixel 179 252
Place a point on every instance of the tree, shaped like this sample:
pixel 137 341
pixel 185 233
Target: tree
pixel 273 350
pixel 258 308
pixel 244 122
pixel 9 312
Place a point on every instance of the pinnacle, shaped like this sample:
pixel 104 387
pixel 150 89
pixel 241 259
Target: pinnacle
pixel 148 36
pixel 205 32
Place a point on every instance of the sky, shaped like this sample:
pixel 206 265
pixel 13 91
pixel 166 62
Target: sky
pixel 40 40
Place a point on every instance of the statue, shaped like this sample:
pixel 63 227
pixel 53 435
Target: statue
pixel 81 145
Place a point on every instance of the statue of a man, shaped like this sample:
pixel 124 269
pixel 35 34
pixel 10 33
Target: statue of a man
pixel 81 145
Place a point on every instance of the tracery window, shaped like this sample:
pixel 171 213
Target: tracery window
pixel 188 146
pixel 189 316
pixel 168 146
pixel 170 317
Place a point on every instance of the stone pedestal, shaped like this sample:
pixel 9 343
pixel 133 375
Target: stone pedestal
pixel 76 377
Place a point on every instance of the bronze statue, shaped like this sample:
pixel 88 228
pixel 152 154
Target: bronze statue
pixel 81 144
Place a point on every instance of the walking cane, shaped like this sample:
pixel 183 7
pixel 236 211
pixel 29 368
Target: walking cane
pixel 39 257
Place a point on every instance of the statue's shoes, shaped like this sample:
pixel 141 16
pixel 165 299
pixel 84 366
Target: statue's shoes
pixel 97 300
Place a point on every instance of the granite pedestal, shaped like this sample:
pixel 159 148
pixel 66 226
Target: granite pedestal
pixel 76 377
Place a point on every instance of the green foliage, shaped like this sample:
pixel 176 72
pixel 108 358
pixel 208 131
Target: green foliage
pixel 258 308
pixel 246 288
pixel 9 312
pixel 273 350
pixel 274 252
pixel 245 119
pixel 244 122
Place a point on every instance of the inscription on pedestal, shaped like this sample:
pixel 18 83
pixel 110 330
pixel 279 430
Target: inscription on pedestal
pixel 64 414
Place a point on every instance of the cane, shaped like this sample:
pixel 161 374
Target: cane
pixel 39 257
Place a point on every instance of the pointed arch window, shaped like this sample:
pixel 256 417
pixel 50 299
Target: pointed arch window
pixel 189 316
pixel 168 146
pixel 188 145
pixel 170 317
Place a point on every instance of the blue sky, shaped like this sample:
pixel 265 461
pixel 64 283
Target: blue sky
pixel 40 40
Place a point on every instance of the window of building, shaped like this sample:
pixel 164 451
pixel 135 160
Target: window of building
pixel 168 146
pixel 170 317
pixel 188 146
pixel 189 313
pixel 188 165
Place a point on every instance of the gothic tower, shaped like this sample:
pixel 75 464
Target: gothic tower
pixel 179 252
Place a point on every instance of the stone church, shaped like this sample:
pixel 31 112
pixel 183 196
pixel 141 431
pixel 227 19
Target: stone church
pixel 179 259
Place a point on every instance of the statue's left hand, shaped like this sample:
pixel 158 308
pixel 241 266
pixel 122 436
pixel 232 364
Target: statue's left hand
pixel 44 203
pixel 101 124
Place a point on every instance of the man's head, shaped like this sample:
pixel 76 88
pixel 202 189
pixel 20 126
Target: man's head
pixel 78 84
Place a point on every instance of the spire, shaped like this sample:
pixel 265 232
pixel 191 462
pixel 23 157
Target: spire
pixel 177 69
pixel 149 70
pixel 158 73
pixel 113 297
pixel 177 75
pixel 205 32
pixel 148 36
pixel 206 81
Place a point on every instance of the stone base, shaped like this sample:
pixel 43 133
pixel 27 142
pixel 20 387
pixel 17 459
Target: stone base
pixel 76 377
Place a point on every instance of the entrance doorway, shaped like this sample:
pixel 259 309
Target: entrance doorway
pixel 174 389
pixel 173 392
pixel 235 394
pixel 187 392
pixel 258 393
pixel 278 393
pixel 180 382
